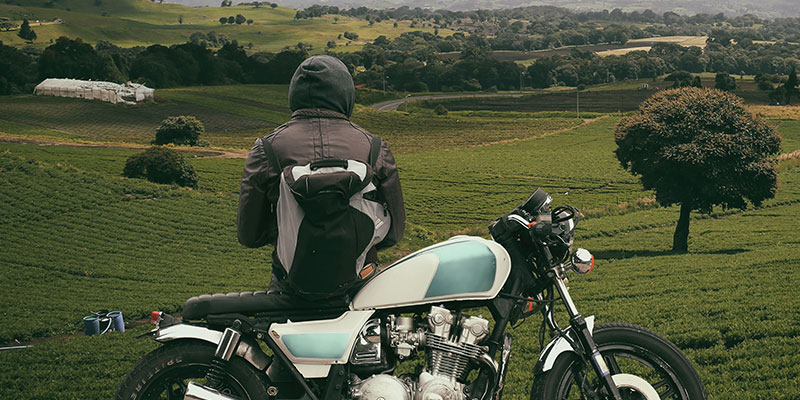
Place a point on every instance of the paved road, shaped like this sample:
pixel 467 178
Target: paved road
pixel 392 105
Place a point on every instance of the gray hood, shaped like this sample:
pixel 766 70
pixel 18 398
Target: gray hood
pixel 322 82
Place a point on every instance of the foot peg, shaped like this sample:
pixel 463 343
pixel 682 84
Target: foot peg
pixel 196 391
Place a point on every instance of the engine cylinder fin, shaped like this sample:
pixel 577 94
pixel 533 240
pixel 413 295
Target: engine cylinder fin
pixel 450 359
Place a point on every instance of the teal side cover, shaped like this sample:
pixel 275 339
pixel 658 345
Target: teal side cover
pixel 317 345
pixel 464 267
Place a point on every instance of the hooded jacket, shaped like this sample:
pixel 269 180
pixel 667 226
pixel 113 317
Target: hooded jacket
pixel 321 97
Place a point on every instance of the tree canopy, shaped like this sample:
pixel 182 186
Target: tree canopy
pixel 699 148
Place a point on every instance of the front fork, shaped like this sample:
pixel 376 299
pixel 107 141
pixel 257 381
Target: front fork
pixel 590 351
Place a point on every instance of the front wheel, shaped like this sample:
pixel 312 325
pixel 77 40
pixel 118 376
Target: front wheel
pixel 641 361
pixel 166 372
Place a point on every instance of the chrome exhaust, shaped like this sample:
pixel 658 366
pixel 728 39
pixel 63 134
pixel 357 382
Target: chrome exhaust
pixel 196 391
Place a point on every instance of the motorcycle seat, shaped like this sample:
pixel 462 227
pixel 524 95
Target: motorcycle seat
pixel 260 304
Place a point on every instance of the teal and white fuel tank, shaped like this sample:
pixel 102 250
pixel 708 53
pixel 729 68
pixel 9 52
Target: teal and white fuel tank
pixel 462 268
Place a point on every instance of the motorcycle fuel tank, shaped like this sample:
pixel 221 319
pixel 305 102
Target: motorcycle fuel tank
pixel 462 268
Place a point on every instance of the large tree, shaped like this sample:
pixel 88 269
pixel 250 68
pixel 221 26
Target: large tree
pixel 699 148
pixel 68 58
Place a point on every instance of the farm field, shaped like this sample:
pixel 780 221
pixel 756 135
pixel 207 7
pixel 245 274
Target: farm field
pixel 129 23
pixel 78 237
pixel 622 96
pixel 528 57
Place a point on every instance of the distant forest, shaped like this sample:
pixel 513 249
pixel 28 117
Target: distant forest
pixel 414 62
pixel 763 8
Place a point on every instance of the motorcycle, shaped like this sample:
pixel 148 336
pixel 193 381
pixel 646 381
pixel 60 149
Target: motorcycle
pixel 270 346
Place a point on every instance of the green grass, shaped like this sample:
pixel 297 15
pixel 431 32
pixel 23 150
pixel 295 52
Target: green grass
pixel 77 237
pixel 129 23
pixel 233 115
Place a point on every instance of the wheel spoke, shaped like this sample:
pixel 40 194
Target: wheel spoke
pixel 666 394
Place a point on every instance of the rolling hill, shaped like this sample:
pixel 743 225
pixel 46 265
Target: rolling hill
pixel 129 23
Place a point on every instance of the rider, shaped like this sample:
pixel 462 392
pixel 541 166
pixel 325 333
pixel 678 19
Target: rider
pixel 321 97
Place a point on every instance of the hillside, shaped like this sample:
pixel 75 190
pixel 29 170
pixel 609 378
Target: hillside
pixel 767 8
pixel 128 23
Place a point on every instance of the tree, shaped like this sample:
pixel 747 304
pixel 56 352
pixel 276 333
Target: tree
pixel 790 86
pixel 68 58
pixel 179 130
pixel 725 82
pixel 351 35
pixel 240 19
pixel 331 44
pixel 250 22
pixel 25 31
pixel 180 19
pixel 223 20
pixel 699 148
pixel 231 20
pixel 161 165
pixel 17 71
pixel 273 5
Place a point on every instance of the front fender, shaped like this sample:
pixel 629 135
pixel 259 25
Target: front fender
pixel 248 349
pixel 559 346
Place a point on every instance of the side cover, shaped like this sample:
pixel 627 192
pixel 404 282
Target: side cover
pixel 462 268
pixel 313 346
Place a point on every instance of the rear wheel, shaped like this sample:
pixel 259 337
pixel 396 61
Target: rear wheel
pixel 166 372
pixel 640 360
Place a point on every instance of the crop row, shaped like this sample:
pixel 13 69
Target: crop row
pixel 729 304
pixel 78 241
pixel 103 122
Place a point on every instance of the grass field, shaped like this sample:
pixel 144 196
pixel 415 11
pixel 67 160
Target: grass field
pixel 78 237
pixel 129 23
pixel 614 97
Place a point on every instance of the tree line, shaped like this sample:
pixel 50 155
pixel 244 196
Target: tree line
pixel 548 20
pixel 157 66
pixel 412 62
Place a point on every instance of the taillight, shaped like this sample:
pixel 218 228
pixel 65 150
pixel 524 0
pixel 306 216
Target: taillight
pixel 155 316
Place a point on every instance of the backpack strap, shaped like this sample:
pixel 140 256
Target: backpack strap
pixel 271 157
pixel 374 150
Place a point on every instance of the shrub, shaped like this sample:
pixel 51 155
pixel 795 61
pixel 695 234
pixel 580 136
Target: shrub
pixel 678 76
pixel 179 130
pixel 161 165
pixel 725 82
pixel 440 110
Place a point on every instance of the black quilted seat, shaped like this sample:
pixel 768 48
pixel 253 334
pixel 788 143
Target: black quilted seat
pixel 258 304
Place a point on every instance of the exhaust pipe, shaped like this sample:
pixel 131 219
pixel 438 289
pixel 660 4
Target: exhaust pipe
pixel 195 391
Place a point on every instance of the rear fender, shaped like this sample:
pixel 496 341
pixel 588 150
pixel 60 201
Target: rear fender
pixel 559 346
pixel 248 349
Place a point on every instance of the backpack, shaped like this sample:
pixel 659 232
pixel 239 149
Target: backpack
pixel 328 219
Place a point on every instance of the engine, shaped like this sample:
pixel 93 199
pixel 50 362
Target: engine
pixel 451 349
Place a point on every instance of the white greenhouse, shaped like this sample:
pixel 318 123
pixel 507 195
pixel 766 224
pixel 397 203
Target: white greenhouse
pixel 129 93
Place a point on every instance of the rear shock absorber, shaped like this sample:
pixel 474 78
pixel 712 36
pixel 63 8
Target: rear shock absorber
pixel 215 377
